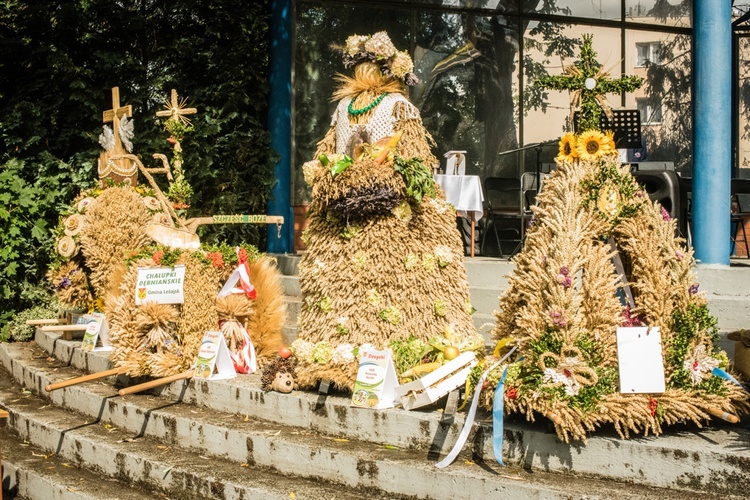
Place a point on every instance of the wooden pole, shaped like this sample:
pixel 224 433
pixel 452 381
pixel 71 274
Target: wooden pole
pixel 68 331
pixel 64 328
pixel 717 412
pixel 85 378
pixel 39 322
pixel 155 383
pixel 556 419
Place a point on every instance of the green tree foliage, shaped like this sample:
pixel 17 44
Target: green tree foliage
pixel 58 62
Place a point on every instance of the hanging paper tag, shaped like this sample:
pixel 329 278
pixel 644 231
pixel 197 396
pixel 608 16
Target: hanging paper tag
pixel 214 361
pixel 376 382
pixel 163 285
pixel 640 360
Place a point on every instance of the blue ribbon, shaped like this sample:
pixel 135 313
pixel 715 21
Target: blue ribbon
pixel 497 418
pixel 721 373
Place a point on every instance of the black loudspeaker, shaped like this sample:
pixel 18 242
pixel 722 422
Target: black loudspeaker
pixel 663 186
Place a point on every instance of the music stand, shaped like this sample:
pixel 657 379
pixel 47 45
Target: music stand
pixel 625 123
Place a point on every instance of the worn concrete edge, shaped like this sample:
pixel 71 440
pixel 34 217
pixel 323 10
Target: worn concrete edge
pixel 152 465
pixel 111 453
pixel 29 472
pixel 654 461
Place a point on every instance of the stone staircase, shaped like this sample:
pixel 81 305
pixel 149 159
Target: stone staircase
pixel 229 439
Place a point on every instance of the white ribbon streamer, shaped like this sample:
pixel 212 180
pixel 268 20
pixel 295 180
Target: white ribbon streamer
pixel 469 422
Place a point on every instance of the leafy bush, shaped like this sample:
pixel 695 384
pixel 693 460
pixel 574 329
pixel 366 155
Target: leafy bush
pixel 17 330
pixel 59 63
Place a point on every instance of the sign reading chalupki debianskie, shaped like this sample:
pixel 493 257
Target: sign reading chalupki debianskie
pixel 164 285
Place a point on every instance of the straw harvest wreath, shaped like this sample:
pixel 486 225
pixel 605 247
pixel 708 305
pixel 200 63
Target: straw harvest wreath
pixel 563 307
pixel 102 242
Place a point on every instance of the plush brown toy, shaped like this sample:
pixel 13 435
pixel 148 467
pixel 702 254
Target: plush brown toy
pixel 278 375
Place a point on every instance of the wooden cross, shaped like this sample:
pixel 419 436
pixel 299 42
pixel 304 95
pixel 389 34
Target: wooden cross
pixel 113 115
pixel 588 83
pixel 176 110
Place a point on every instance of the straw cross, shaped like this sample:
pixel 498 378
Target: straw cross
pixel 588 83
pixel 115 114
pixel 176 110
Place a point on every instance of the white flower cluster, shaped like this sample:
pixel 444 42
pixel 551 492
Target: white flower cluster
pixel 343 354
pixel 380 44
pixel 355 43
pixel 552 376
pixel 700 364
pixel 379 49
pixel 401 65
pixel 302 349
pixel 444 255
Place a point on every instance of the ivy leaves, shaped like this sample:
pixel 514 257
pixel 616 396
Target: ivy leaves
pixel 24 232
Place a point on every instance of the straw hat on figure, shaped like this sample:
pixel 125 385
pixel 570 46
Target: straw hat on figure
pixel 384 261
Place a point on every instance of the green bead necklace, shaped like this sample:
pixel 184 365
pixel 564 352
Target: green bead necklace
pixel 360 111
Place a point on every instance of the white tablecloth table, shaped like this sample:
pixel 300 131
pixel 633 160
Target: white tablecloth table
pixel 465 193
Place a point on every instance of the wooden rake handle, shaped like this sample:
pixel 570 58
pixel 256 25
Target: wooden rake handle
pixel 38 322
pixel 155 383
pixel 85 378
pixel 717 412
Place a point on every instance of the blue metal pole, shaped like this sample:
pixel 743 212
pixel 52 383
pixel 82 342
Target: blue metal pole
pixel 712 128
pixel 280 124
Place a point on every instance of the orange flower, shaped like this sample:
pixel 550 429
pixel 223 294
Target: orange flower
pixel 158 255
pixel 216 258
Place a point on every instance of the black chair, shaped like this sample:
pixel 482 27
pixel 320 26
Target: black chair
pixel 740 207
pixel 503 210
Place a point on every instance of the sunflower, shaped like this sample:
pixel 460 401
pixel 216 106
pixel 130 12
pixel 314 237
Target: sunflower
pixel 610 135
pixel 568 150
pixel 592 145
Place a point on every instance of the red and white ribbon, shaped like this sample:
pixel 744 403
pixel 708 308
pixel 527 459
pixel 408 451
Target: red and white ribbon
pixel 244 360
pixel 240 275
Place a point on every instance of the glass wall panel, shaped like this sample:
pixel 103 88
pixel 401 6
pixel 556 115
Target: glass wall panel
pixel 549 111
pixel 468 57
pixel 316 64
pixel 594 9
pixel 494 5
pixel 662 12
pixel 665 101
pixel 468 66
pixel 744 107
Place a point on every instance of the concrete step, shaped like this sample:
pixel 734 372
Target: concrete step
pixel 290 284
pixel 34 473
pixel 726 287
pixel 162 467
pixel 685 460
pixel 144 439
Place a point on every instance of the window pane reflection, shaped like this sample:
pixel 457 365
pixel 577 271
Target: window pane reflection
pixel 662 12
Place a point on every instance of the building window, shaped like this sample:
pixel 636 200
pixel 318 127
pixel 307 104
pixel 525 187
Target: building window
pixel 650 111
pixel 647 53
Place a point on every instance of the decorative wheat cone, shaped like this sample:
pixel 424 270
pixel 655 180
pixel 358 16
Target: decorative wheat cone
pixel 379 266
pixel 562 309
